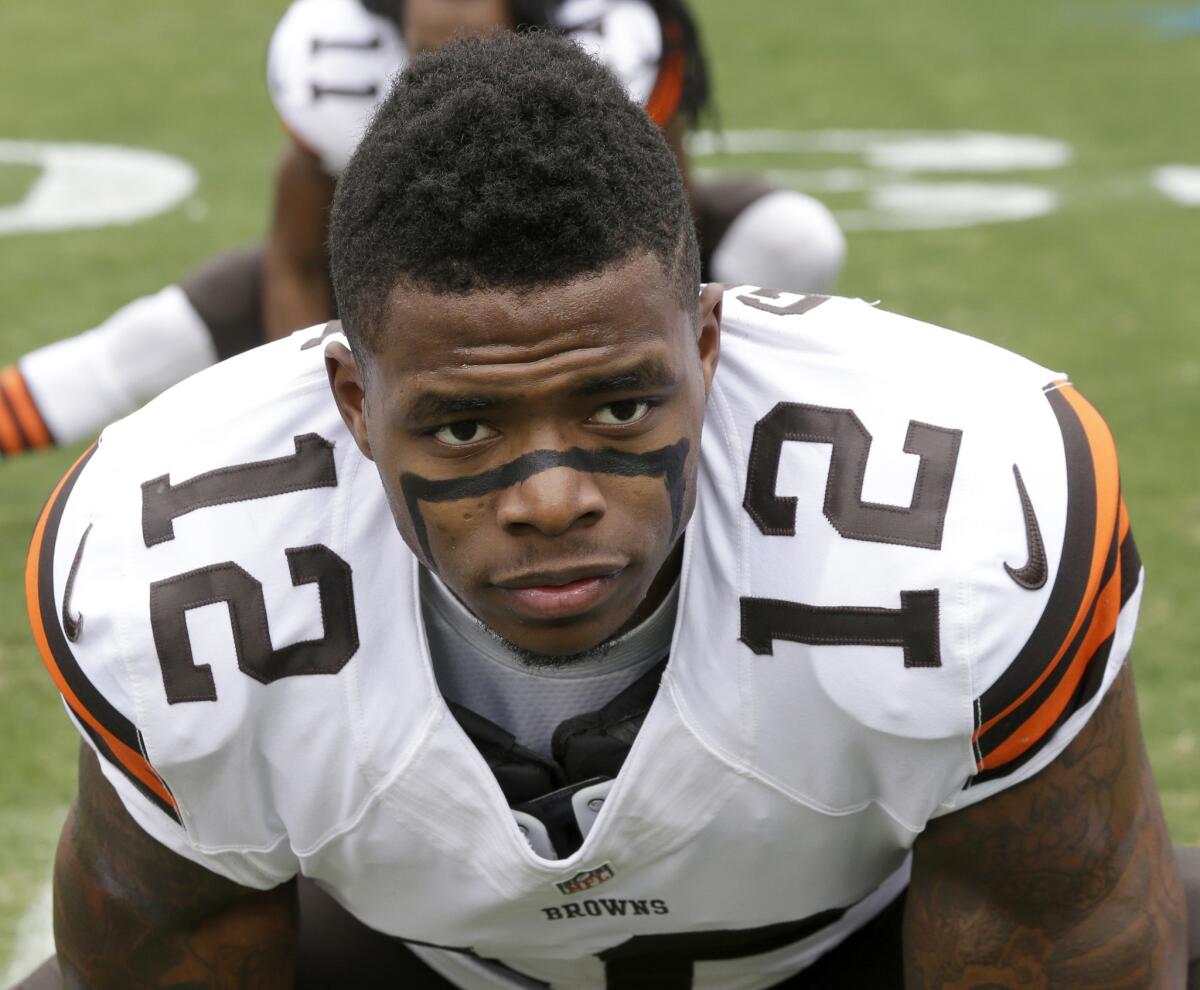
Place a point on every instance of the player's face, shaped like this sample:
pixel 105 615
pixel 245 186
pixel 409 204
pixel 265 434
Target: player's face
pixel 539 450
pixel 429 24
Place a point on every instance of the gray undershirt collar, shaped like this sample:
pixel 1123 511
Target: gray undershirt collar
pixel 476 669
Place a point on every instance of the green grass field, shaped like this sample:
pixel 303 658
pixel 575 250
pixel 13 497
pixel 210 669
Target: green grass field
pixel 1104 287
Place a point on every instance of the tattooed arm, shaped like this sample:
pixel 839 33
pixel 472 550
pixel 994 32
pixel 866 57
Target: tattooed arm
pixel 1066 880
pixel 131 914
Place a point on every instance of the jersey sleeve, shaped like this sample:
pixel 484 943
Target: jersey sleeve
pixel 329 64
pixel 78 602
pixel 1035 692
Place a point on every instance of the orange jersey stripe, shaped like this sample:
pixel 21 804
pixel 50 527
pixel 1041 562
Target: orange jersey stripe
pixel 1104 624
pixel 132 760
pixel 13 383
pixel 1108 501
pixel 11 441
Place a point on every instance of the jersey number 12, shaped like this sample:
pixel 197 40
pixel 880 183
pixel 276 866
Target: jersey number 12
pixel 914 625
pixel 170 600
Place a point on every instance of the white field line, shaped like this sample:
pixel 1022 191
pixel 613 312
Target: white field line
pixel 1178 182
pixel 33 940
pixel 91 185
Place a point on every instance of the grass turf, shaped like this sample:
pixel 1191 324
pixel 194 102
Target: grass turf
pixel 15 182
pixel 1103 288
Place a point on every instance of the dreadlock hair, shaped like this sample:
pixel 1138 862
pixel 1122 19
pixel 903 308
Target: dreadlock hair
pixel 509 162
pixel 680 35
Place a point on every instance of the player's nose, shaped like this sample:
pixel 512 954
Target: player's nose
pixel 551 502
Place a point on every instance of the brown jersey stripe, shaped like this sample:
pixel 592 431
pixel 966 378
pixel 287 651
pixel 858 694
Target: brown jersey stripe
pixel 16 391
pixel 121 740
pixel 106 752
pixel 1032 695
pixel 1092 502
pixel 667 94
pixel 10 415
pixel 1131 568
pixel 1007 726
pixel 1031 723
pixel 1090 683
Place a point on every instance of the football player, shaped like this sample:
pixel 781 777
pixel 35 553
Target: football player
pixel 562 622
pixel 329 65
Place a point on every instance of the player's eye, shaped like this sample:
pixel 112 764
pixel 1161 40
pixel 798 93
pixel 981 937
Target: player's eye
pixel 464 432
pixel 621 413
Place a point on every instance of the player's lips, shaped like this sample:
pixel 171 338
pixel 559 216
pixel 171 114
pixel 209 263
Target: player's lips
pixel 561 593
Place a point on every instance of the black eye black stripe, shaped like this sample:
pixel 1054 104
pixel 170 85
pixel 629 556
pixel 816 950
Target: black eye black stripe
pixel 665 462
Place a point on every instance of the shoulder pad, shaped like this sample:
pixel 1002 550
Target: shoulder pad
pixel 194 597
pixel 1038 683
pixel 860 502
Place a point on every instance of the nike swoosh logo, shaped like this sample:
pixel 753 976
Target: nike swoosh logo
pixel 73 624
pixel 1033 575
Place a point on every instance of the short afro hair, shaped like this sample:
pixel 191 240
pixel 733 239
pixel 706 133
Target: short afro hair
pixel 509 162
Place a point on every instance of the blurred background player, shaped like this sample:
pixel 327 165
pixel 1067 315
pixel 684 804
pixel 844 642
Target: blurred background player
pixel 329 64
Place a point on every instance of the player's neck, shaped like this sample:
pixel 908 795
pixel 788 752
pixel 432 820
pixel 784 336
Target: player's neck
pixel 664 581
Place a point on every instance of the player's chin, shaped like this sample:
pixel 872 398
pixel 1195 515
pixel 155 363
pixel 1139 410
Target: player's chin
pixel 568 619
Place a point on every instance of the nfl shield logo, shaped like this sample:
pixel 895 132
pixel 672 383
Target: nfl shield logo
pixel 585 880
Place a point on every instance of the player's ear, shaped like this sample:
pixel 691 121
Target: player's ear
pixel 349 392
pixel 708 329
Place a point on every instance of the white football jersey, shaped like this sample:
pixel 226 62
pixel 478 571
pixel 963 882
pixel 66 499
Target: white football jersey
pixel 907 584
pixel 331 62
